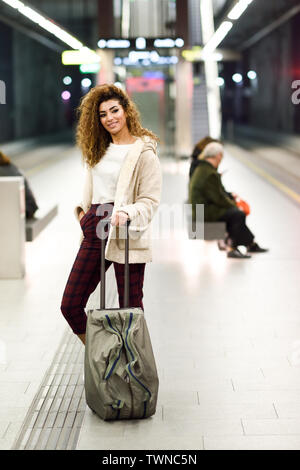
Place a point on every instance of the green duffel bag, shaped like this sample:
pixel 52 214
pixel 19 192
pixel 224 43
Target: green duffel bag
pixel 120 375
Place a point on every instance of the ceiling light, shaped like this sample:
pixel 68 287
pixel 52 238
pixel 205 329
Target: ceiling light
pixel 217 56
pixel 140 43
pixel 13 3
pixel 66 95
pixel 217 38
pixel 45 23
pixel 252 75
pixel 220 81
pixel 101 43
pixel 86 83
pixel 67 80
pixel 179 42
pixel 237 78
pixel 239 9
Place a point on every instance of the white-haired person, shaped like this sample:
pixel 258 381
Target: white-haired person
pixel 206 188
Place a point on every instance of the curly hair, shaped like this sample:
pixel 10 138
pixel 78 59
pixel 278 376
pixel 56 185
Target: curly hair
pixel 91 137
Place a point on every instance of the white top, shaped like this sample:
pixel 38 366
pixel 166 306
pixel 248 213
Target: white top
pixel 106 173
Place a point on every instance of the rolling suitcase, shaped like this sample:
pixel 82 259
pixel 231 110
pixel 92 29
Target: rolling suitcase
pixel 120 375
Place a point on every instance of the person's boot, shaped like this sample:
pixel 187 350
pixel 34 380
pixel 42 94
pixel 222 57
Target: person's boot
pixel 222 245
pixel 255 248
pixel 237 254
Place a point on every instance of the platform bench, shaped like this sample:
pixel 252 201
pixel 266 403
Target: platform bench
pixel 35 225
pixel 210 230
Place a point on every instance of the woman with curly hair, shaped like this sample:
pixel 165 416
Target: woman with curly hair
pixel 123 182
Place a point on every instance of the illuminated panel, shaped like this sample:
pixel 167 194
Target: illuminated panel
pixel 83 56
pixel 89 68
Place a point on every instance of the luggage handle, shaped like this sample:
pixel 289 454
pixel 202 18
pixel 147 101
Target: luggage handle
pixel 104 222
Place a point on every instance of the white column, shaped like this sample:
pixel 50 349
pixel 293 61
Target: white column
pixel 106 72
pixel 211 71
pixel 125 27
pixel 183 108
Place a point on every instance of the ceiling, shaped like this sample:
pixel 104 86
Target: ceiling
pixel 80 17
pixel 218 6
pixel 258 15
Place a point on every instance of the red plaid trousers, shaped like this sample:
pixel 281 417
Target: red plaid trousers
pixel 85 275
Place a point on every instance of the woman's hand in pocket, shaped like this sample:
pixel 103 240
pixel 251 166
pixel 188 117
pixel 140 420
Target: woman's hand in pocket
pixel 81 214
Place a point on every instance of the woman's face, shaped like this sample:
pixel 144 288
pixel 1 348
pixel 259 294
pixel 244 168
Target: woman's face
pixel 112 116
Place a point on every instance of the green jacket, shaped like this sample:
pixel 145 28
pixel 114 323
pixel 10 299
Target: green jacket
pixel 206 188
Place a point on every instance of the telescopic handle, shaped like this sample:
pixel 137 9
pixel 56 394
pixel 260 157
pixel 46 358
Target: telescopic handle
pixel 102 266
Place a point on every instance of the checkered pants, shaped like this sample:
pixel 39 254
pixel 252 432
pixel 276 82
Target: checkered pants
pixel 85 275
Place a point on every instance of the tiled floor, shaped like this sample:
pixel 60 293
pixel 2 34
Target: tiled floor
pixel 226 333
pixel 31 326
pixel 55 416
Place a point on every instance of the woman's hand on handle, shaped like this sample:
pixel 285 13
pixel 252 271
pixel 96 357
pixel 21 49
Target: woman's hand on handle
pixel 119 218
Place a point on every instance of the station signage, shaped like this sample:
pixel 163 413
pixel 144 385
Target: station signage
pixel 141 43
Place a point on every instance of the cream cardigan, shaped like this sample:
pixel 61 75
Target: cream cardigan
pixel 138 193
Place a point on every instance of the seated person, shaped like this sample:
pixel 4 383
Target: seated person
pixel 198 149
pixel 206 188
pixel 9 169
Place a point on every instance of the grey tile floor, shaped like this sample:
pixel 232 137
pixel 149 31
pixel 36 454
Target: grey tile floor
pixel 226 333
pixel 55 416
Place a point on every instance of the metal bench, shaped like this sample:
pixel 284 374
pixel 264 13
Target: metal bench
pixel 214 231
pixel 15 229
pixel 209 231
pixel 35 225
pixel 205 230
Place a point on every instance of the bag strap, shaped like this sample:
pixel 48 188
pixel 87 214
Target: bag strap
pixel 104 235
